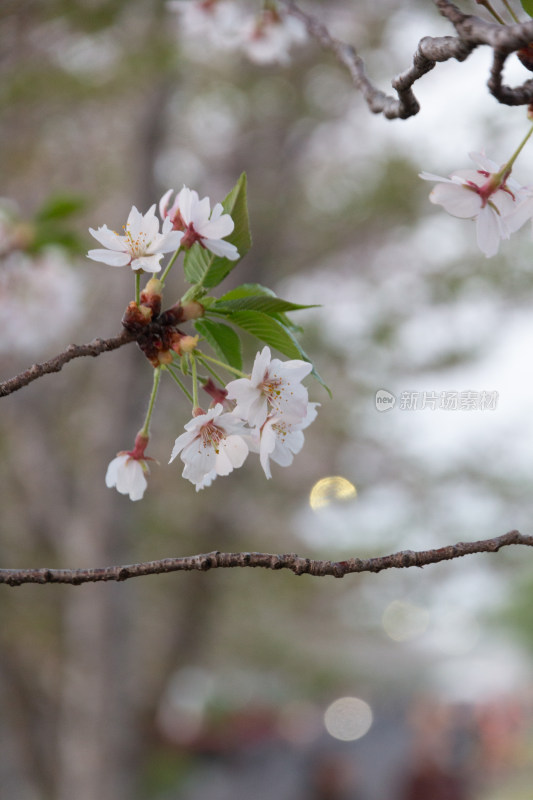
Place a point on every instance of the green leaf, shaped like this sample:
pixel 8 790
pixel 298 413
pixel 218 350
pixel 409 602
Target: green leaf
pixel 527 5
pixel 268 305
pixel 59 206
pixel 254 289
pixel 274 334
pixel 246 290
pixel 207 270
pixel 223 340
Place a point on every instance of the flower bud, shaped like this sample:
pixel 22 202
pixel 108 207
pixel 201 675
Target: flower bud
pixel 216 392
pixel 173 315
pixel 136 317
pixel 192 310
pixel 151 296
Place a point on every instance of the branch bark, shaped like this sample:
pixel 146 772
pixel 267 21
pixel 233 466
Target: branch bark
pixel 471 32
pixel 94 348
pixel 297 564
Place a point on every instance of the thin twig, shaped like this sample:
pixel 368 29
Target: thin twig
pixel 471 32
pixel 291 561
pixel 94 348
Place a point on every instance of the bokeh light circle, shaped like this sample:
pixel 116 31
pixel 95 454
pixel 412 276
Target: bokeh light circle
pixel 403 621
pixel 348 719
pixel 330 489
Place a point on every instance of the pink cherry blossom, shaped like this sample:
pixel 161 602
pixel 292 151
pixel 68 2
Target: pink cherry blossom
pixel 142 246
pixel 274 388
pixel 213 444
pixel 198 223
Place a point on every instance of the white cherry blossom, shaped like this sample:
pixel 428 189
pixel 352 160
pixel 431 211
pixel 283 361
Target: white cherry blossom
pixel 268 38
pixel 280 440
pixel 213 444
pixel 194 218
pixel 126 474
pixel 31 284
pixel 274 388
pixel 142 246
pixel 484 195
pixel 218 22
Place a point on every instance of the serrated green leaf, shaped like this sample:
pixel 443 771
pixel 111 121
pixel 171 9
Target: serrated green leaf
pixel 274 334
pixel 222 339
pixel 527 5
pixel 207 270
pixel 246 290
pixel 268 305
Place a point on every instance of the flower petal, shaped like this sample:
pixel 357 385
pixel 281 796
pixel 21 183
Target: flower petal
pixel 110 257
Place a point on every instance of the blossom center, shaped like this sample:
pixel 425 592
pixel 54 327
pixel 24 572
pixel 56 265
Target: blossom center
pixel 211 436
pixel 138 245
pixel 495 182
pixel 191 236
pixel 271 388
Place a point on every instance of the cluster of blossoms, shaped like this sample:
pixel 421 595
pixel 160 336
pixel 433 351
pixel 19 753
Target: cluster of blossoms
pixel 189 220
pixel 498 204
pixel 269 413
pixel 264 39
pixel 265 414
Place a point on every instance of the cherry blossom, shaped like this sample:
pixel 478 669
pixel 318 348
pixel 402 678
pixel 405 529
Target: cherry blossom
pixel 198 223
pixel 274 388
pixel 268 38
pixel 41 287
pixel 487 195
pixel 217 21
pixel 280 440
pixel 142 246
pixel 212 445
pixel 126 474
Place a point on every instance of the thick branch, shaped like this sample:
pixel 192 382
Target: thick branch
pixel 291 561
pixel 471 32
pixel 94 348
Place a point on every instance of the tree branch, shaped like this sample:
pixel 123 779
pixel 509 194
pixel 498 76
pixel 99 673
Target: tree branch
pixel 94 348
pixel 291 561
pixel 471 32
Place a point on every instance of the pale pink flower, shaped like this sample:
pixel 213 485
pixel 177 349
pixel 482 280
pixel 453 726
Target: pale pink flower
pixel 142 246
pixel 198 223
pixel 481 195
pixel 274 388
pixel 280 440
pixel 212 445
pixel 43 288
pixel 127 475
pixel 216 21
pixel 268 38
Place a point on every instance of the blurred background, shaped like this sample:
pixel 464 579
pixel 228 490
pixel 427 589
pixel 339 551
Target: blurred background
pixel 243 683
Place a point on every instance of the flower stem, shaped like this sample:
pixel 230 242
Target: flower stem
pixel 157 377
pixel 211 370
pixel 490 9
pixel 194 381
pixel 510 10
pixel 169 266
pixel 137 287
pixel 235 371
pixel 174 377
pixel 507 167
